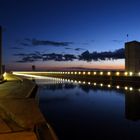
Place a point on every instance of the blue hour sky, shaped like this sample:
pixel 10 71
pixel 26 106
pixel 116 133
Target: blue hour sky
pixel 54 34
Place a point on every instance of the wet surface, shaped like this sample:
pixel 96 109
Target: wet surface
pixel 80 111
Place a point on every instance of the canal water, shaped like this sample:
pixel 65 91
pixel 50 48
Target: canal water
pixel 85 112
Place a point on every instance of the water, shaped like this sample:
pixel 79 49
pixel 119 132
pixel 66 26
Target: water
pixel 84 112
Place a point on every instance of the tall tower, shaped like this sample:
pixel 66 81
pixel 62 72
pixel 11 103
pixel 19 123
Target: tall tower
pixel 132 56
pixel 0 52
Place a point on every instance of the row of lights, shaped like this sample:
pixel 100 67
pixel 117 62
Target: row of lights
pixel 79 82
pixel 95 84
pixel 97 73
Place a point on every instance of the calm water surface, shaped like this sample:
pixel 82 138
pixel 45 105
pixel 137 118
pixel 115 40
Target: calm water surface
pixel 78 112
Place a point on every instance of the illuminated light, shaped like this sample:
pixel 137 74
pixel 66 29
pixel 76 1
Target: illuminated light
pixel 101 73
pixel 101 84
pixel 139 73
pixel 117 87
pixel 88 83
pixel 4 75
pixel 84 82
pixel 71 80
pixel 130 88
pixel 75 72
pixel 88 73
pixel 108 73
pixel 94 84
pixel 117 73
pixel 95 73
pixel 84 73
pixel 68 80
pixel 65 72
pixel 130 73
pixel 68 72
pixel 79 72
pixel 139 89
pixel 109 86
pixel 75 81
pixel 71 72
pixel 126 73
pixel 79 82
pixel 126 88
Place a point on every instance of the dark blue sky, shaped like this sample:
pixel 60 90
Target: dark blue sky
pixel 37 28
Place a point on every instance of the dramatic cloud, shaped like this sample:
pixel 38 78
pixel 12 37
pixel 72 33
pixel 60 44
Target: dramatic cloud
pixel 37 42
pixel 31 57
pixel 96 56
pixel 85 56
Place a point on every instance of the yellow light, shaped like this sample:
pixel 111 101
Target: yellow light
pixel 94 73
pixel 71 80
pixel 109 86
pixel 79 82
pixel 139 73
pixel 117 87
pixel 117 73
pixel 108 73
pixel 94 84
pixel 101 84
pixel 130 73
pixel 4 75
pixel 71 72
pixel 79 73
pixel 126 73
pixel 68 72
pixel 88 83
pixel 130 88
pixel 84 73
pixel 88 73
pixel 126 88
pixel 84 82
pixel 75 73
pixel 101 73
pixel 75 81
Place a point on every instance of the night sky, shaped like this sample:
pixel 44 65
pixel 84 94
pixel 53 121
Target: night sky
pixel 72 34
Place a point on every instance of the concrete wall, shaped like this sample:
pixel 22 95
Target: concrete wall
pixel 132 56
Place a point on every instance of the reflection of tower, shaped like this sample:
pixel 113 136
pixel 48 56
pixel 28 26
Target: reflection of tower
pixel 132 106
pixel 0 52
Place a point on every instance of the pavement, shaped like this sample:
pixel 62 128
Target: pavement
pixel 19 114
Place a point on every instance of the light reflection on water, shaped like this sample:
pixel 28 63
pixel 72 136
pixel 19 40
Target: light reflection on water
pixel 78 111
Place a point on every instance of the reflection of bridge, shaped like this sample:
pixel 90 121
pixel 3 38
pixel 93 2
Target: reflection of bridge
pixel 117 79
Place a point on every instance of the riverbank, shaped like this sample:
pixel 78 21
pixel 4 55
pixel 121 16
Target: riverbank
pixel 20 117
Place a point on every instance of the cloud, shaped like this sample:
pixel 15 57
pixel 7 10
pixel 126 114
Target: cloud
pixel 37 42
pixel 79 49
pixel 68 48
pixel 85 56
pixel 107 55
pixel 37 56
pixel 24 44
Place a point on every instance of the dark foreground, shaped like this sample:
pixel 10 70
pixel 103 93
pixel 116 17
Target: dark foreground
pixel 78 111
